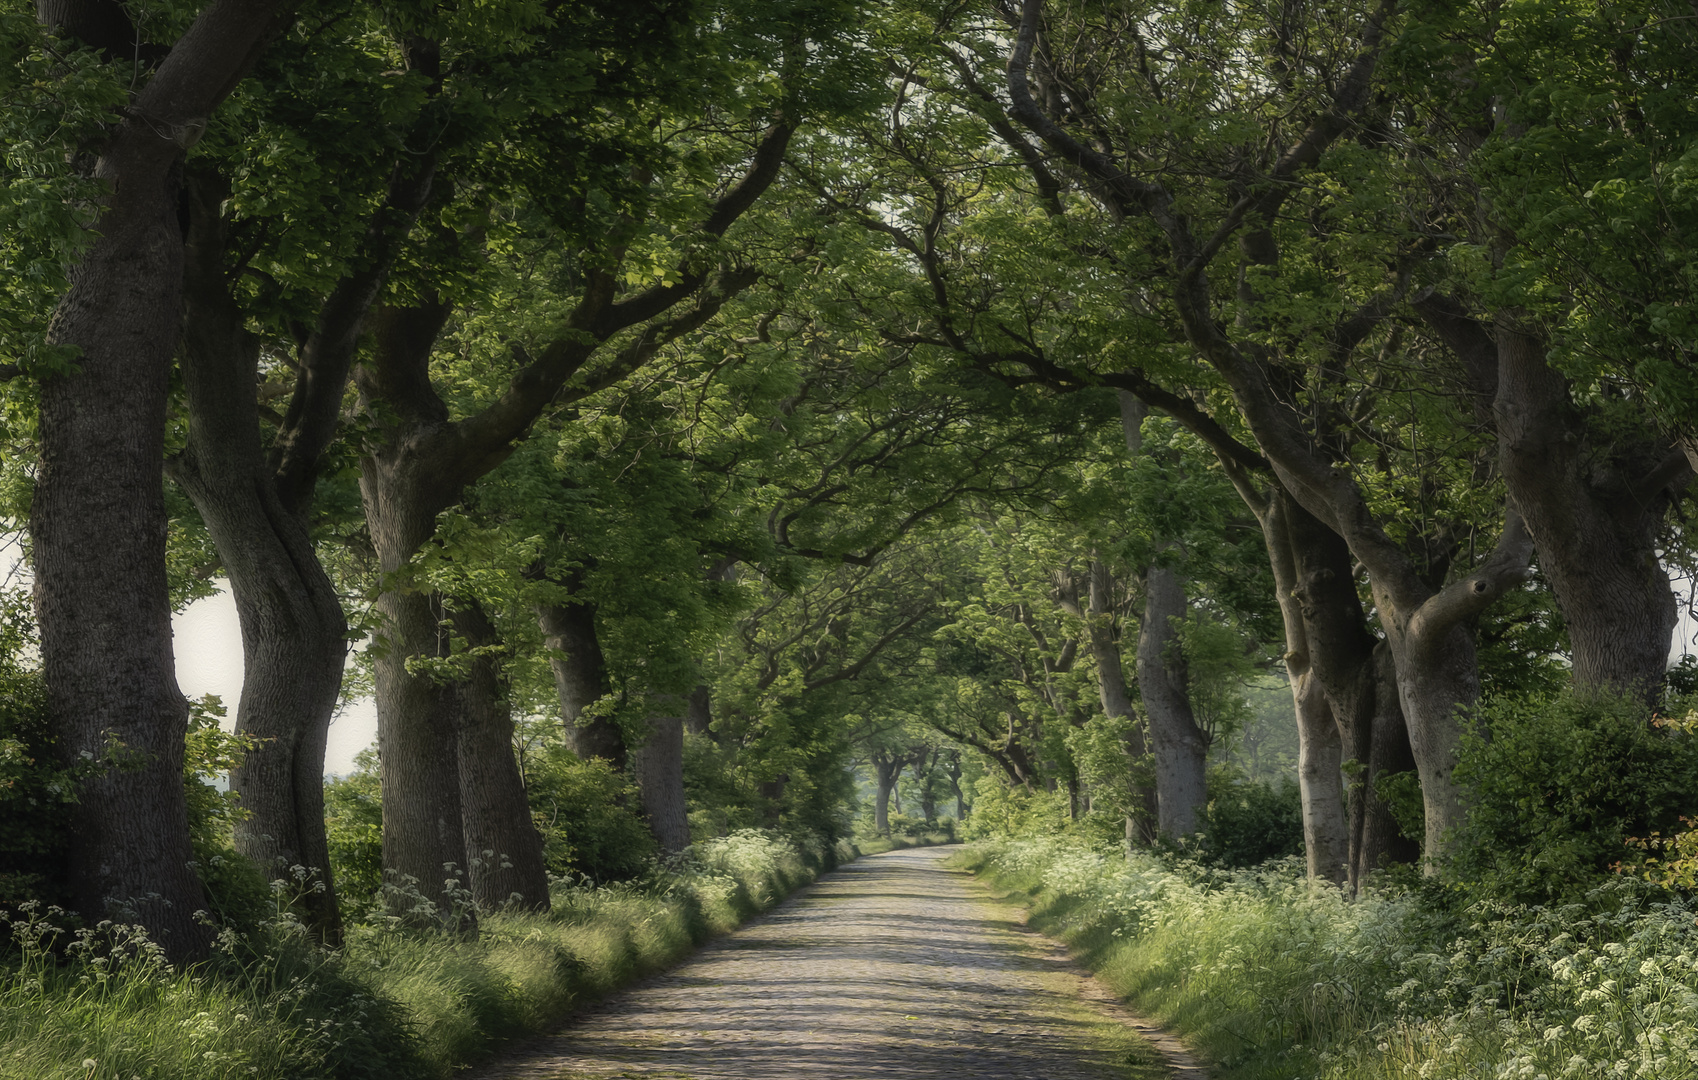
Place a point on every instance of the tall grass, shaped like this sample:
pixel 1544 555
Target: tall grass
pixel 394 1003
pixel 1273 976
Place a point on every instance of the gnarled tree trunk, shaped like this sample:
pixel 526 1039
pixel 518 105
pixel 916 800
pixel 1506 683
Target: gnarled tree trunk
pixel 1359 681
pixel 294 635
pixel 503 847
pixel 1593 512
pixel 1326 837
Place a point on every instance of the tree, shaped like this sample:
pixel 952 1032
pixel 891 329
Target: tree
pixel 97 518
pixel 1426 626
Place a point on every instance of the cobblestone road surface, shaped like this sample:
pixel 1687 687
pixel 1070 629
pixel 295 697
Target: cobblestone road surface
pixel 892 968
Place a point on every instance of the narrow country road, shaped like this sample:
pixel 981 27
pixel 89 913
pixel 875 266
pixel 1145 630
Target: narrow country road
pixel 894 967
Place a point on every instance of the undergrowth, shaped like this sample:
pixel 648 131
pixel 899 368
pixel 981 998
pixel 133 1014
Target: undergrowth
pixel 1273 976
pixel 102 1003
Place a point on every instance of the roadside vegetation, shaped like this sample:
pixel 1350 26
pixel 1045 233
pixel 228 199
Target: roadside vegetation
pixel 1559 941
pixel 102 1002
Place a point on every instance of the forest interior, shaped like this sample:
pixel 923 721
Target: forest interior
pixel 1226 463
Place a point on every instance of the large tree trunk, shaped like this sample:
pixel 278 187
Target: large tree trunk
pixel 1181 750
pixel 97 518
pixel 417 716
pixel 1359 683
pixel 294 635
pixel 1594 521
pixel 1438 682
pixel 659 767
pixel 97 527
pixel 580 680
pixel 424 724
pixel 1593 512
pixel 418 745
pixel 503 847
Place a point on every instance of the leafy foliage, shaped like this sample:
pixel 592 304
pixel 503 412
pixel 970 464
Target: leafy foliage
pixel 1559 784
pixel 1251 822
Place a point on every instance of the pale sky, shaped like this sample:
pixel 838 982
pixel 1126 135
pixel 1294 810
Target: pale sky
pixel 208 647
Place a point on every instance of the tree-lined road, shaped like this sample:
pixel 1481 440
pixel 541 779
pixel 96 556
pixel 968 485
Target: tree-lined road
pixel 893 967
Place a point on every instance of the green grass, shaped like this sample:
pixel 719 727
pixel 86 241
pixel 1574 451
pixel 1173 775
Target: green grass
pixel 1230 973
pixel 1271 977
pixel 391 1004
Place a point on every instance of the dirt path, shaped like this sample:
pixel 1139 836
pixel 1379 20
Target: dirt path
pixel 894 967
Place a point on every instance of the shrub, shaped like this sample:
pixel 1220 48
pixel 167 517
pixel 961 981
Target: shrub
pixel 1002 809
pixel 394 1003
pixel 1271 975
pixel 34 791
pixel 353 825
pixel 587 813
pixel 1249 822
pixel 1558 785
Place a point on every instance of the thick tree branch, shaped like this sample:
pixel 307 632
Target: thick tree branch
pixel 1466 598
pixel 314 409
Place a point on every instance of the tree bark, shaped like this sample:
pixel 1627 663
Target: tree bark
pixel 294 635
pixel 417 718
pixel 97 518
pixel 1326 836
pixel 1593 511
pixel 503 847
pixel 1181 750
pixel 1359 681
pixel 659 767
pixel 433 801
pixel 580 680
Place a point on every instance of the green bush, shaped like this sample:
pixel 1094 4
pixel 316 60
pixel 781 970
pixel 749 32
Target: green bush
pixel 1249 822
pixel 1557 786
pixel 1002 809
pixel 35 793
pixel 353 825
pixel 393 1003
pixel 588 816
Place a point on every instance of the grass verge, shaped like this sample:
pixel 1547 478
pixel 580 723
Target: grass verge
pixel 391 1004
pixel 1271 977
